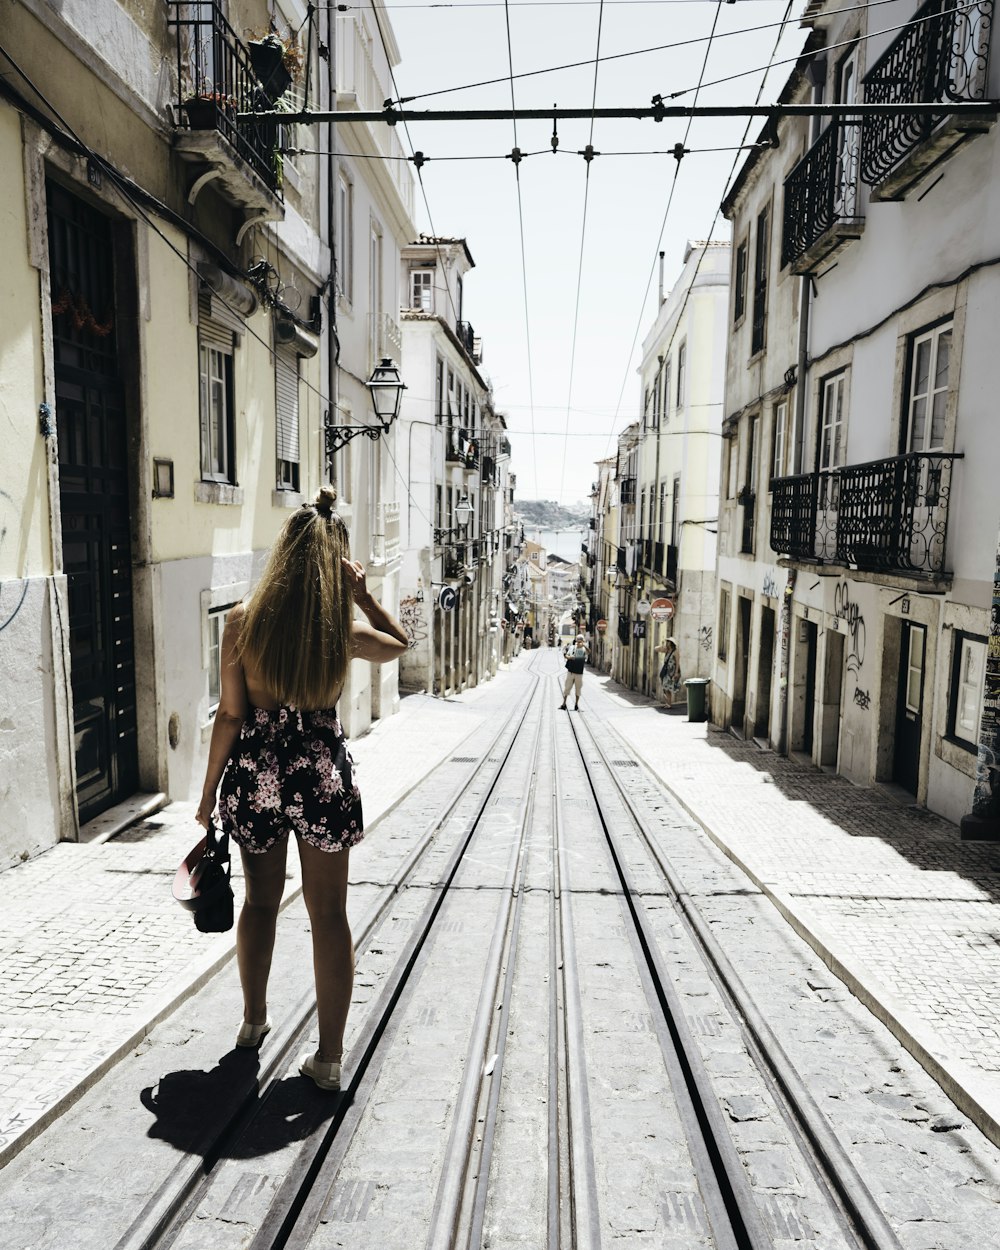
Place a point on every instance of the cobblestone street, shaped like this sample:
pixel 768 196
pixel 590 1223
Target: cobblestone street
pixel 902 913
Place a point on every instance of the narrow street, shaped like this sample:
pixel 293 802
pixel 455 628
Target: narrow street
pixel 621 979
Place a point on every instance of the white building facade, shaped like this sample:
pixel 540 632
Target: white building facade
pixel 856 575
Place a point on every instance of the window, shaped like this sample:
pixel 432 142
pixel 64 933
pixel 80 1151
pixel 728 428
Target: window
pixel 438 390
pixel 666 392
pixel 216 626
pixel 780 433
pixel 930 356
pixel 662 516
pixel 723 623
pixel 375 290
pixel 459 299
pixel 968 673
pixel 345 239
pixel 682 375
pixel 286 412
pixel 831 435
pixel 218 461
pixel 740 281
pixel 422 290
pixel 760 265
pixel 732 468
pixel 675 514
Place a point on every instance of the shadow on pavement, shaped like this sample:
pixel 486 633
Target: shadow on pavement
pixel 192 1108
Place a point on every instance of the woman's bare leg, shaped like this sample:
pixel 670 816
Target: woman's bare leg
pixel 324 888
pixel 265 883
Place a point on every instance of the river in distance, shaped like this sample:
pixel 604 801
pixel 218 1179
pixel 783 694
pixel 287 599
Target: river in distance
pixel 561 542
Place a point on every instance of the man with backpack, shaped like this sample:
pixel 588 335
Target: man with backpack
pixel 576 656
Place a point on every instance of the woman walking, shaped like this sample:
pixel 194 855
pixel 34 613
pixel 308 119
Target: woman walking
pixel 279 750
pixel 670 670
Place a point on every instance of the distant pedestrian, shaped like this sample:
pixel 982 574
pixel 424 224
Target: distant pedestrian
pixel 280 745
pixel 527 637
pixel 576 655
pixel 670 670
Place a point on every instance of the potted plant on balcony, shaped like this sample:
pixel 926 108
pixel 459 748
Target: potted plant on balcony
pixel 277 63
pixel 203 109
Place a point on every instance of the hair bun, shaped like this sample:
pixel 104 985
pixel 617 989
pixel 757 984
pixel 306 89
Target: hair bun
pixel 326 497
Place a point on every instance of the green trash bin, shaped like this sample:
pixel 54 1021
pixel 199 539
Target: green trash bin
pixel 697 699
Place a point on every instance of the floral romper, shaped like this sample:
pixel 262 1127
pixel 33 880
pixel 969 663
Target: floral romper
pixel 291 770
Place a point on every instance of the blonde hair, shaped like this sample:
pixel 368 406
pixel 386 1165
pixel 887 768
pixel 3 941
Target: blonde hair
pixel 296 630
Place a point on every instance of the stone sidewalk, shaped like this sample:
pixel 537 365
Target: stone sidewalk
pixel 891 899
pixel 94 951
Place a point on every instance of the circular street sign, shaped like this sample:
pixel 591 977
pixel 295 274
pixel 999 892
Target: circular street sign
pixel 601 626
pixel 447 598
pixel 661 609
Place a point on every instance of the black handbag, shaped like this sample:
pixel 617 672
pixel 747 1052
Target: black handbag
pixel 202 883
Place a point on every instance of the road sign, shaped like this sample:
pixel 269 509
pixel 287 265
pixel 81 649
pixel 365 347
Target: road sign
pixel 601 626
pixel 661 609
pixel 447 598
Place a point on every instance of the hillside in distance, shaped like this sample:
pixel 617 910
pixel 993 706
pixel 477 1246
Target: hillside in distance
pixel 546 514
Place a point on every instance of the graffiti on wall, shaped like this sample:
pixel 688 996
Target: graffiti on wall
pixel 770 586
pixel 413 621
pixel 850 614
pixel 862 698
pixel 705 637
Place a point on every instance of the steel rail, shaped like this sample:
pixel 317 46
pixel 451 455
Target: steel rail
pixel 838 1171
pixel 846 113
pixel 297 1209
pixel 446 1214
pixel 161 1219
pixel 732 1212
pixel 585 1226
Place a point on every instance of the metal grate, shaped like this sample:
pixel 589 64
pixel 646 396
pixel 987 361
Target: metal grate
pixel 625 763
pixel 465 759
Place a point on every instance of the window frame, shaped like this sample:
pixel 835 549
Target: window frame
pixel 215 625
pixel 345 237
pixel 934 334
pixel 761 269
pixel 779 439
pixel 226 435
pixel 681 374
pixel 426 282
pixel 839 448
pixel 961 638
pixel 725 609
pixel 740 270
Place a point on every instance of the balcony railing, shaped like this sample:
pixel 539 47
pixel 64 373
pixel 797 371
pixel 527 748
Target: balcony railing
pixel 942 54
pixel 821 199
pixel 461 447
pixel 884 516
pixel 216 81
pixel 469 340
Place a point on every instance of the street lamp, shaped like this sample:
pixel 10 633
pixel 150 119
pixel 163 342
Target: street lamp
pixel 463 515
pixel 386 387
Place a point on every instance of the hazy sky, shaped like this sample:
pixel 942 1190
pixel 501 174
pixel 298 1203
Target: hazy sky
pixel 592 391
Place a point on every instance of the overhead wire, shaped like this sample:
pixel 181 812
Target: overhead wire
pixel 678 320
pixel 661 47
pixel 423 158
pixel 583 237
pixel 666 215
pixel 524 254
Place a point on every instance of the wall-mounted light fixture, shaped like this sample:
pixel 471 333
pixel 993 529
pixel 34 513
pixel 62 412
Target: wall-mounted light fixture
pixel 463 515
pixel 387 389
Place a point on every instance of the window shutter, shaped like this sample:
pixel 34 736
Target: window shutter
pixel 212 329
pixel 286 391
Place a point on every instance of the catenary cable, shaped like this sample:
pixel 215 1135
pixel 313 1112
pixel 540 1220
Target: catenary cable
pixel 524 257
pixel 583 239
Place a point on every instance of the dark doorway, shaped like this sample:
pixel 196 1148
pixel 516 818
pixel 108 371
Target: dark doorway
pixel 803 691
pixel 94 499
pixel 742 664
pixel 906 758
pixel 765 665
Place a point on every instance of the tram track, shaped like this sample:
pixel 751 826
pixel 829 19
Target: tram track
pixel 524 1069
pixel 176 1200
pixel 857 1211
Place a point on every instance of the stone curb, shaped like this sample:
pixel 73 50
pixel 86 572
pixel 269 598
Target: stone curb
pixel 961 1083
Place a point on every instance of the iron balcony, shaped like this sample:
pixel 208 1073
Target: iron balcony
pixel 886 516
pixel 822 211
pixel 943 54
